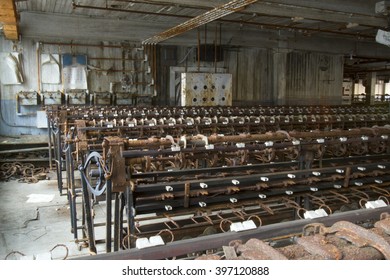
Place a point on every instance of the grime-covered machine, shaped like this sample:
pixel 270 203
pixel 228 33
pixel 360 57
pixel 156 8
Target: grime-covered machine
pixel 177 176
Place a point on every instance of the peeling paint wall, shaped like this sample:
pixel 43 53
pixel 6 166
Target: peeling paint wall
pixel 10 122
pixel 259 76
pixel 106 67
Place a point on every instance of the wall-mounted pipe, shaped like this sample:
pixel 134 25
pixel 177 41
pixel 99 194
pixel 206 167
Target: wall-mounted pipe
pixel 207 5
pixel 38 53
pixel 126 11
pixel 81 45
pixel 215 48
pixel 198 50
pixel 155 68
pixel 115 58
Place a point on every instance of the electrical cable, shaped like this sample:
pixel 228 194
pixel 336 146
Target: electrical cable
pixel 185 57
pixel 51 250
pixel 61 245
pixel 13 253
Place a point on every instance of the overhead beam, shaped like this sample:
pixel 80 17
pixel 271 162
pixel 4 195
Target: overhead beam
pixel 38 25
pixel 212 15
pixel 11 32
pixel 328 11
pixel 233 21
pixel 349 6
pixel 327 15
pixel 9 19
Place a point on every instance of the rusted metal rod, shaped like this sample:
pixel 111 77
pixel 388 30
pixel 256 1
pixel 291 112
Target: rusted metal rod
pixel 25 150
pixel 212 15
pixel 184 247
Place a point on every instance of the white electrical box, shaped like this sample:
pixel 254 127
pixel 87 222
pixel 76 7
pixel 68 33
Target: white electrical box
pixel 383 37
pixel 315 214
pixel 42 119
pixel 145 242
pixel 382 7
pixel 375 204
pixel 242 226
pixel 206 89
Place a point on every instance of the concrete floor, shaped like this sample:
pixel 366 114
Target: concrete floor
pixel 35 228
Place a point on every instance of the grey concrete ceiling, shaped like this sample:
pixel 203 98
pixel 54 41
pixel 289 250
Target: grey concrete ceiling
pixel 337 17
pixel 336 26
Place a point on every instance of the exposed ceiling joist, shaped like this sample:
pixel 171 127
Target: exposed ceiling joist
pixel 212 15
pixel 294 24
pixel 322 11
pixel 11 31
pixel 9 19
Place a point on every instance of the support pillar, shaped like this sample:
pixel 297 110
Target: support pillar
pixel 370 88
pixel 279 92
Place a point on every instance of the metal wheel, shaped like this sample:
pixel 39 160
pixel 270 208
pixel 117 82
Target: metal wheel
pixel 95 174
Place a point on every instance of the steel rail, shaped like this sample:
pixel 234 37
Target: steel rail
pixel 184 247
pixel 274 165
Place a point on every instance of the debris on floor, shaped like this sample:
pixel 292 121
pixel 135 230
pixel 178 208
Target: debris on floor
pixel 23 172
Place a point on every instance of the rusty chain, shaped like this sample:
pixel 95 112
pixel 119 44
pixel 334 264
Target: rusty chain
pixel 24 173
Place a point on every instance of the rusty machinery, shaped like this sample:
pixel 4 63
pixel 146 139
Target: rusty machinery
pixel 346 236
pixel 218 142
pixel 197 183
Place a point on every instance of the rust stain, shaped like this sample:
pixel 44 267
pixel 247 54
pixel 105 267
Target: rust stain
pixel 384 225
pixel 359 236
pixel 318 245
pixel 255 249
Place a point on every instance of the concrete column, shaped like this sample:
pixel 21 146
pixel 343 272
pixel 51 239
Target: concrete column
pixel 370 88
pixel 279 92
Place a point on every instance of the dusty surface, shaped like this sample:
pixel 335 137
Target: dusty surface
pixel 35 228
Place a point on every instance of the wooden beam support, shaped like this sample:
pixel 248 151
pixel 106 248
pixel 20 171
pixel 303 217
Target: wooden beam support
pixel 9 18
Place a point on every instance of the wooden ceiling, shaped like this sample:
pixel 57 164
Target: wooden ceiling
pixel 9 19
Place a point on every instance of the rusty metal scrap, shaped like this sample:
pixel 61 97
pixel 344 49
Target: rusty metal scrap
pixel 317 245
pixel 255 249
pixel 359 236
pixel 23 172
pixel 384 224
pixel 320 244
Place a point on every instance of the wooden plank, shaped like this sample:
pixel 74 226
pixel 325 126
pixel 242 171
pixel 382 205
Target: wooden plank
pixel 11 32
pixel 11 36
pixel 6 4
pixel 8 19
pixel 6 10
pixel 10 27
pixel 7 13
